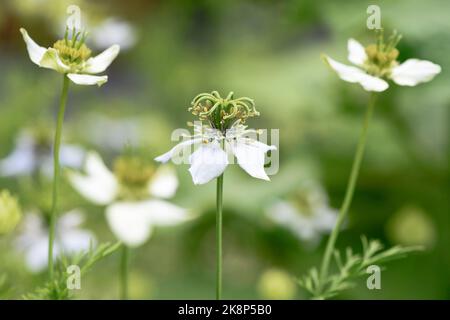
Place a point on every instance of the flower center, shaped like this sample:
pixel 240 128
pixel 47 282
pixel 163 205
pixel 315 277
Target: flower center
pixel 220 112
pixel 382 57
pixel 307 201
pixel 73 51
pixel 134 175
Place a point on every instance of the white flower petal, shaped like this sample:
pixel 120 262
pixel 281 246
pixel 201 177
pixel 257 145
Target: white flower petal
pixel 356 75
pixel 250 155
pixel 51 60
pixel 163 213
pixel 179 147
pixel 356 52
pixel 35 51
pixel 130 222
pixel 164 183
pixel 20 161
pixel 87 80
pixel 76 240
pixel 208 162
pixel 414 71
pixel 72 156
pixel 102 61
pixel 36 256
pixel 98 185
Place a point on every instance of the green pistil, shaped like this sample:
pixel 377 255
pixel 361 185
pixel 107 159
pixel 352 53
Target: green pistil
pixel 73 51
pixel 222 112
pixel 382 56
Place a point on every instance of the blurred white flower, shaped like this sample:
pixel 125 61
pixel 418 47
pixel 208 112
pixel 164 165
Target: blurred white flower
pixel 211 159
pixel 131 219
pixel 307 215
pixel 72 57
pixel 70 238
pixel 378 62
pixel 32 155
pixel 113 31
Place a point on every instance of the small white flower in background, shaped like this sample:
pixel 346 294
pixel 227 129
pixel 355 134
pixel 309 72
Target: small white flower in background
pixel 33 153
pixel 307 215
pixel 70 238
pixel 130 194
pixel 114 31
pixel 71 56
pixel 211 158
pixel 378 62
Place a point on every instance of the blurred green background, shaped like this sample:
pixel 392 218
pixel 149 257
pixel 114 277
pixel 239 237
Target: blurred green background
pixel 270 51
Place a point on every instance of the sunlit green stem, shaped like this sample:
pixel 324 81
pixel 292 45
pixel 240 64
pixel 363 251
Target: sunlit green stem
pixel 124 261
pixel 350 189
pixel 56 169
pixel 219 237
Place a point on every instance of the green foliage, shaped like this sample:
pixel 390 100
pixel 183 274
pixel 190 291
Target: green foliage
pixel 57 289
pixel 350 267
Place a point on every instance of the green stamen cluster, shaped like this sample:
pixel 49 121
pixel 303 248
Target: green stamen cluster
pixel 222 112
pixel 306 200
pixel 134 175
pixel 382 57
pixel 10 212
pixel 73 51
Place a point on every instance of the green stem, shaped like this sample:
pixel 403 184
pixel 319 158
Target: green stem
pixel 219 237
pixel 56 169
pixel 124 272
pixel 350 189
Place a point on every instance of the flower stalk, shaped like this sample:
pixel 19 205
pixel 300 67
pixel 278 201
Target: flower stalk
pixel 56 173
pixel 350 189
pixel 124 261
pixel 219 237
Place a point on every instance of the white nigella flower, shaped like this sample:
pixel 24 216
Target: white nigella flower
pixel 377 63
pixel 307 214
pixel 33 152
pixel 70 238
pixel 72 57
pixel 131 195
pixel 211 157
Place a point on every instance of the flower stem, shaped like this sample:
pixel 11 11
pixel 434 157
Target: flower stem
pixel 56 169
pixel 350 189
pixel 219 237
pixel 124 273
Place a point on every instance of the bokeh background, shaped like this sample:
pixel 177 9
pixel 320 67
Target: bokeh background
pixel 270 51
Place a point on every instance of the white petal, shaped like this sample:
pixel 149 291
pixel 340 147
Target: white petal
pixel 165 183
pixel 250 155
pixel 51 60
pixel 76 240
pixel 72 156
pixel 98 185
pixel 36 256
pixel 414 71
pixel 356 52
pixel 87 80
pixel 70 220
pixel 102 61
pixel 21 161
pixel 35 51
pixel 163 213
pixel 207 162
pixel 356 75
pixel 130 222
pixel 168 155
